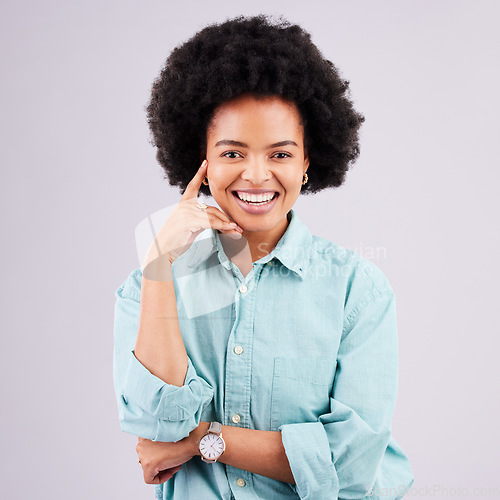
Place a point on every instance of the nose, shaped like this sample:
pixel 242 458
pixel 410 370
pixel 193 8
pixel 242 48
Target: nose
pixel 256 171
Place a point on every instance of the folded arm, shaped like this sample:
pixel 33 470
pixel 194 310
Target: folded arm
pixel 152 402
pixel 256 451
pixel 340 455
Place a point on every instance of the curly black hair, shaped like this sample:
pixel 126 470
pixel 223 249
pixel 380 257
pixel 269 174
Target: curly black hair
pixel 262 57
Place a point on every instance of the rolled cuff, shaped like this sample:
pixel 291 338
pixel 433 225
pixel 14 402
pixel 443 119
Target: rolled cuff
pixel 167 402
pixel 308 451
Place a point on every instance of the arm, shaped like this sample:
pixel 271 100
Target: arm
pixel 340 455
pixel 260 452
pixel 159 345
pixel 148 405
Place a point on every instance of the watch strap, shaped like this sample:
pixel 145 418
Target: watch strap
pixel 215 427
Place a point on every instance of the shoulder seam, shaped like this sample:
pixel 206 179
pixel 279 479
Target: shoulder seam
pixel 374 285
pixel 373 294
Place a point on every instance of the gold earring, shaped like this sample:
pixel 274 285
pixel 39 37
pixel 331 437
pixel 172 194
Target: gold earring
pixel 305 179
pixel 206 183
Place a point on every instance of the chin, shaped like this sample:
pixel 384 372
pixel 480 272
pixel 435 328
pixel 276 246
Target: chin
pixel 254 225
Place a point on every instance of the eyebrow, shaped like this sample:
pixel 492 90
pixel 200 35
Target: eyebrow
pixel 228 142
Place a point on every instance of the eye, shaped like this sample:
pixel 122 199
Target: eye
pixel 227 153
pixel 286 155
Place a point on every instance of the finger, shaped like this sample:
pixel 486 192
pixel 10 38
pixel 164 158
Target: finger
pixel 150 474
pixel 220 214
pixel 213 213
pixel 194 185
pixel 209 219
pixel 165 475
pixel 195 219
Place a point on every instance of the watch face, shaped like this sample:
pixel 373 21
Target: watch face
pixel 211 446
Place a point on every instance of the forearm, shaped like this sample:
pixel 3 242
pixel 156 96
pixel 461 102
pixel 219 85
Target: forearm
pixel 159 344
pixel 259 452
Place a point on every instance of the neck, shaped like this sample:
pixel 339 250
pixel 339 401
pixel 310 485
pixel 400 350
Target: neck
pixel 262 243
pixel 254 244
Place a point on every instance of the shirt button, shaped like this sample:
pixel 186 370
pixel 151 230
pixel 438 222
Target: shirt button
pixel 243 288
pixel 236 418
pixel 238 349
pixel 240 482
pixel 270 263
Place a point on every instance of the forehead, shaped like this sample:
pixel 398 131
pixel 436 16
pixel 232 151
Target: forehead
pixel 265 116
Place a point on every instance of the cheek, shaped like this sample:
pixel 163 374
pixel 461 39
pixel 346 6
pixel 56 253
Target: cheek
pixel 220 178
pixel 218 175
pixel 292 181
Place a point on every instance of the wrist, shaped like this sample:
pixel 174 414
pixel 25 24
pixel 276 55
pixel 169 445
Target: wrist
pixel 195 436
pixel 158 269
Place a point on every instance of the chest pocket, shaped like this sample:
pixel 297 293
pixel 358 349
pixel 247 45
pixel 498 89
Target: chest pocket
pixel 301 390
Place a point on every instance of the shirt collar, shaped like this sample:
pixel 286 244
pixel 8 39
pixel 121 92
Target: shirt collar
pixel 292 250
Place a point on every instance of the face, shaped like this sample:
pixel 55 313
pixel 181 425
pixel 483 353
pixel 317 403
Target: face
pixel 256 161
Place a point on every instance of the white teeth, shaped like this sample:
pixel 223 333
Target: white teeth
pixel 255 198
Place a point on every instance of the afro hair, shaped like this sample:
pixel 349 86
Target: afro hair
pixel 259 56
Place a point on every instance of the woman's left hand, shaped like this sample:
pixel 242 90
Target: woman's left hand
pixel 160 461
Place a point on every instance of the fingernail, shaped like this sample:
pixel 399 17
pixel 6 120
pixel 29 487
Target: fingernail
pixel 203 164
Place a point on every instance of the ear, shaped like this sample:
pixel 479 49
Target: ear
pixel 306 161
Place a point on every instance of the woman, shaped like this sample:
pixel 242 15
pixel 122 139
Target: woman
pixel 261 361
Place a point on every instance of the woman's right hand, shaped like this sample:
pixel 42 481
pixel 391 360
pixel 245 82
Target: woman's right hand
pixel 183 225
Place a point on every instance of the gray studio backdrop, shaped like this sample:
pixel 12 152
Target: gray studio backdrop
pixel 78 175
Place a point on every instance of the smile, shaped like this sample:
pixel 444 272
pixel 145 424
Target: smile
pixel 257 199
pixel 256 203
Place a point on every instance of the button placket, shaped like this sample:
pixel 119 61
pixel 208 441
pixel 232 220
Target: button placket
pixel 238 366
pixel 239 372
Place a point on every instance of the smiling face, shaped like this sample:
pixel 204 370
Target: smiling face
pixel 255 152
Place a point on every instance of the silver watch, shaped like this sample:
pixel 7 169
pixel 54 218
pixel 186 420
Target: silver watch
pixel 212 445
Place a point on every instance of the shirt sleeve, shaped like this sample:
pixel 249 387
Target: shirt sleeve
pixel 147 406
pixel 340 455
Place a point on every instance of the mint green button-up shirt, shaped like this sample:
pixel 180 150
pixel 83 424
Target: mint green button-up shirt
pixel 305 344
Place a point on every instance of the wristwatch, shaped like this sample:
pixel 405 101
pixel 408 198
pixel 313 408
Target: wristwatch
pixel 212 445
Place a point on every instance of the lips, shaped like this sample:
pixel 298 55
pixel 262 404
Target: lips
pixel 256 207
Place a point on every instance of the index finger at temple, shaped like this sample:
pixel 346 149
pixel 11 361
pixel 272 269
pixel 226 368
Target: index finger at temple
pixel 194 185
